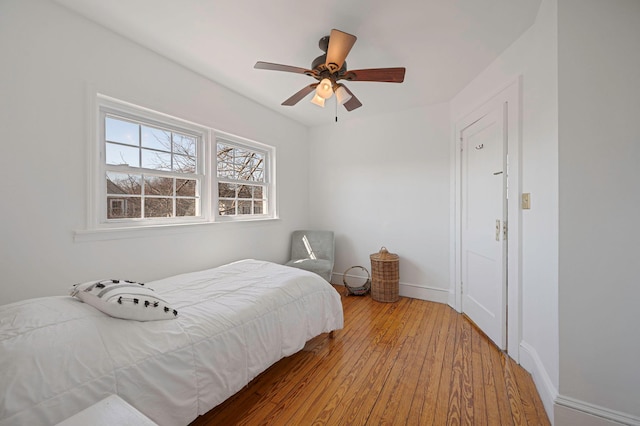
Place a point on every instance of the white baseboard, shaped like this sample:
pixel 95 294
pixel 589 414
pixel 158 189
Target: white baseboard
pixel 530 361
pixel 431 294
pixel 415 291
pixel 570 411
pixel 452 300
pixel 564 410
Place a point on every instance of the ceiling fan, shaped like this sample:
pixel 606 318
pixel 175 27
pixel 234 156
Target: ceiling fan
pixel 330 68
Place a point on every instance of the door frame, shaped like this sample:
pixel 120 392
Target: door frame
pixel 511 95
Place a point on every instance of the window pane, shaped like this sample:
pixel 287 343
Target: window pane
pixel 121 131
pixel 256 175
pixel 257 192
pixel 254 168
pixel 226 170
pixel 242 163
pixel 257 207
pixel 122 155
pixel 121 183
pixel 244 191
pixel 249 173
pixel 241 156
pixel 225 153
pixel 123 207
pixel 156 138
pixel 185 207
pixel 244 207
pixel 227 207
pixel 184 164
pixel 239 163
pixel 184 145
pixel 186 187
pixel 154 185
pixel 225 164
pixel 226 190
pixel 158 207
pixel 156 160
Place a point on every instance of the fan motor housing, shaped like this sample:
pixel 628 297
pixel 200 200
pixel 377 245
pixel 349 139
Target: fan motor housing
pixel 319 64
pixel 323 44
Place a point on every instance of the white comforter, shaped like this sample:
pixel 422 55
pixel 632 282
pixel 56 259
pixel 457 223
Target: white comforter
pixel 59 355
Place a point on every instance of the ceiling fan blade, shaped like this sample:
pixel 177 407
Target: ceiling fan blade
pixel 279 67
pixel 298 96
pixel 340 43
pixel 352 103
pixel 385 75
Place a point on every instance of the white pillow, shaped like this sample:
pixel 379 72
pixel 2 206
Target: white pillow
pixel 124 299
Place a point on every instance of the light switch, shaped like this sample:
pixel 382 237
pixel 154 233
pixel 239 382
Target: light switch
pixel 526 201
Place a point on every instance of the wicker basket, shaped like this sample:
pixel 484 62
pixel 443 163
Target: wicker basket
pixel 385 285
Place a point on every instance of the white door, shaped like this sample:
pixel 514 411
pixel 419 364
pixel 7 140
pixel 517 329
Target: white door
pixel 483 211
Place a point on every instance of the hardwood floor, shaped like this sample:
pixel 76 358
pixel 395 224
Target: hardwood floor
pixel 406 363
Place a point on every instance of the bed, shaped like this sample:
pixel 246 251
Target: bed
pixel 59 355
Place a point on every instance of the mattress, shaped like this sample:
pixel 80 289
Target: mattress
pixel 59 356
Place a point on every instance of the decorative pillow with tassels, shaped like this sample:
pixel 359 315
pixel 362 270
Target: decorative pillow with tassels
pixel 124 299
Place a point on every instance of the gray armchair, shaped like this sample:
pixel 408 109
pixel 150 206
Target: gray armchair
pixel 313 251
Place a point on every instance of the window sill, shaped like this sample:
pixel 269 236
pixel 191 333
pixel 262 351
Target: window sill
pixel 120 233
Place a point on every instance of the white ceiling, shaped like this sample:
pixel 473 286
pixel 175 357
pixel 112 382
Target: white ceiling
pixel 443 44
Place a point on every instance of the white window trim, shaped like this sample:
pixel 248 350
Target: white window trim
pixel 107 105
pixel 269 176
pixel 96 229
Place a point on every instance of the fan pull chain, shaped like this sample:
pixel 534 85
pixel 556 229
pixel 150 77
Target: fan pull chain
pixel 336 110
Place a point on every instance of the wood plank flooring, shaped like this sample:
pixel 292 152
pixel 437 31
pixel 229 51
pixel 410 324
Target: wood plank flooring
pixel 406 363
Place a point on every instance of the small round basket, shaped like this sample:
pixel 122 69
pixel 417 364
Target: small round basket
pixel 357 289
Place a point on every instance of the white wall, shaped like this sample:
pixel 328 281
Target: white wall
pixel 599 149
pixel 580 67
pixel 384 181
pixel 50 60
pixel 533 57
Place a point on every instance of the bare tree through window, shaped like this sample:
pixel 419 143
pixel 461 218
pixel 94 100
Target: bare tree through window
pixel 241 180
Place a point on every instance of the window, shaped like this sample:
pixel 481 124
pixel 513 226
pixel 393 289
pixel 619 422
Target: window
pixel 151 169
pixel 117 207
pixel 244 188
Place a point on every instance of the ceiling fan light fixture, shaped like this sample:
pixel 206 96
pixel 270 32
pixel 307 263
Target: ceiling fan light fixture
pixel 330 68
pixel 342 95
pixel 325 89
pixel 318 100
